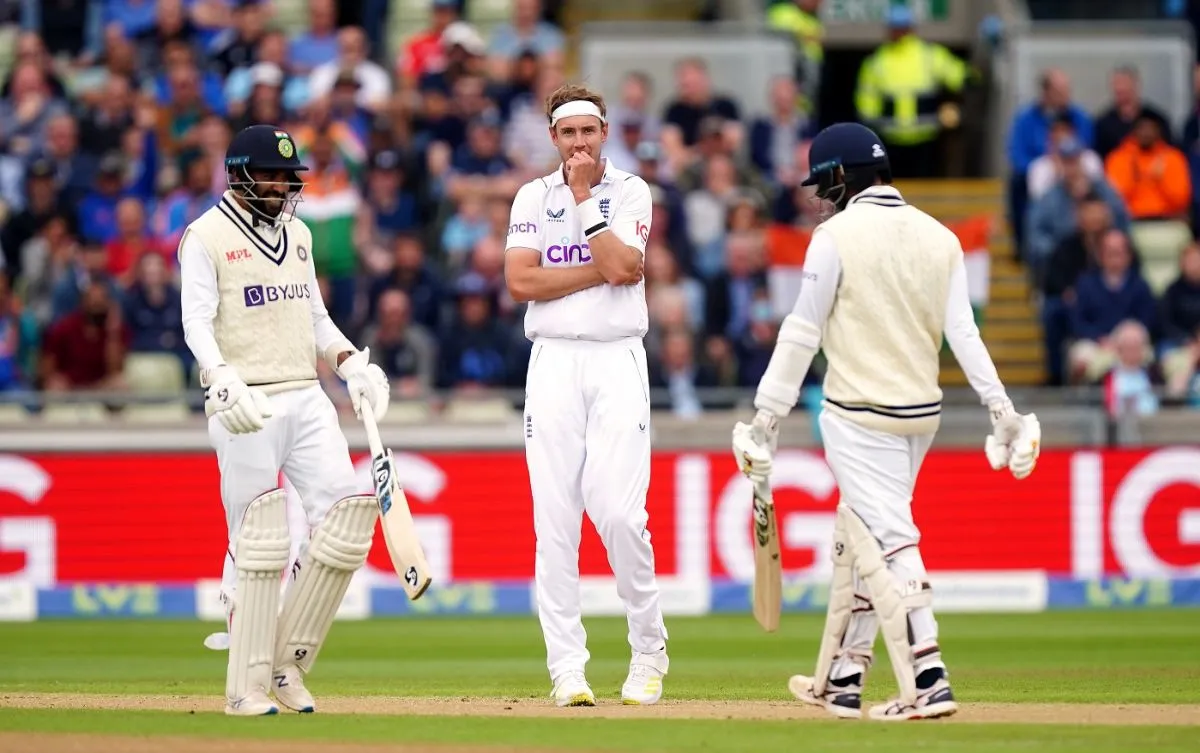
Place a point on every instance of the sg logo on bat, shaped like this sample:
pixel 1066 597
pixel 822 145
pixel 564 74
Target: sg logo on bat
pixel 762 523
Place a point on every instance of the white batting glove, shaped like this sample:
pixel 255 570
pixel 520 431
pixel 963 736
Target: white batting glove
pixel 765 429
pixel 365 381
pixel 239 408
pixel 754 458
pixel 1015 441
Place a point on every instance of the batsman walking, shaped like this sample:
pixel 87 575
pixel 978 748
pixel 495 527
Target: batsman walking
pixel 575 245
pixel 883 282
pixel 254 320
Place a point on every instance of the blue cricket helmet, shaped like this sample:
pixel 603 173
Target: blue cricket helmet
pixel 845 159
pixel 848 146
pixel 261 149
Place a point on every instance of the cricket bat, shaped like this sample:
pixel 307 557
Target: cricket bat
pixel 768 573
pixel 399 532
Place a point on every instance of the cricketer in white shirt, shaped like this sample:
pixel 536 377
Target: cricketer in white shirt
pixel 576 239
pixel 254 320
pixel 883 282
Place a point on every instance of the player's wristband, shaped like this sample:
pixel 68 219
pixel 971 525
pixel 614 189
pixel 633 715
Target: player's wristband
pixel 591 219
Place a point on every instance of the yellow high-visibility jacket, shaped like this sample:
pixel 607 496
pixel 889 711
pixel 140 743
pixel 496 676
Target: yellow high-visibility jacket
pixel 898 88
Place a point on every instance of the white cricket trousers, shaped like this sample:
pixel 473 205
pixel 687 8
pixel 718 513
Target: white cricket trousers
pixel 304 440
pixel 876 473
pixel 587 445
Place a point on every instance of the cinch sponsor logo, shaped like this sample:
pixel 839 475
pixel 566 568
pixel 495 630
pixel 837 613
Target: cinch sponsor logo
pixel 261 295
pixel 523 227
pixel 569 253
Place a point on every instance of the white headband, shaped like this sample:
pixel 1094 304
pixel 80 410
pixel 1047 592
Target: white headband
pixel 575 107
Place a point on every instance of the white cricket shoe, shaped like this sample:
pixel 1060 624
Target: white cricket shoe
pixel 572 689
pixel 844 702
pixel 643 686
pixel 933 702
pixel 254 703
pixel 288 686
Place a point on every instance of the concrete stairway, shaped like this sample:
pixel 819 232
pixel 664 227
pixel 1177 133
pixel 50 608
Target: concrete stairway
pixel 1010 325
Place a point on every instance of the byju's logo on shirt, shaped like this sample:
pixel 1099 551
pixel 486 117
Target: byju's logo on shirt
pixel 261 295
pixel 566 252
pixel 559 216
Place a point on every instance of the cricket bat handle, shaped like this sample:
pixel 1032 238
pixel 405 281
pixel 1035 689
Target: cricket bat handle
pixel 368 418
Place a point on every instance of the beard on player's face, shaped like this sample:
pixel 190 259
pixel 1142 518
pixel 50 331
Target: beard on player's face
pixel 269 193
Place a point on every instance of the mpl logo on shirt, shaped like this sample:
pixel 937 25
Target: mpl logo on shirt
pixel 261 295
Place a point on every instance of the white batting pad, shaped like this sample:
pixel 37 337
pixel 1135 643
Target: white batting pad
pixel 261 556
pixel 841 603
pixel 338 548
pixel 892 598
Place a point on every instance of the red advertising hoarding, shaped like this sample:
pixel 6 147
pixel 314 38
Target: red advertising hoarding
pixel 139 518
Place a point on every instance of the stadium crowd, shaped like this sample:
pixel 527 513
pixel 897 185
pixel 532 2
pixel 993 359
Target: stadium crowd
pixel 1104 205
pixel 115 116
pixel 114 120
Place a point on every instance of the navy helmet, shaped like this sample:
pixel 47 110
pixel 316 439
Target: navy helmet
pixel 844 159
pixel 254 154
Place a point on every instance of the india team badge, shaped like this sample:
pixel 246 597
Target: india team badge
pixel 286 149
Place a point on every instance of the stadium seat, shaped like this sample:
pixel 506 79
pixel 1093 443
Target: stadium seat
pixel 407 412
pixel 156 413
pixel 154 373
pixel 12 414
pixel 488 13
pixel 75 413
pixel 485 410
pixel 1159 243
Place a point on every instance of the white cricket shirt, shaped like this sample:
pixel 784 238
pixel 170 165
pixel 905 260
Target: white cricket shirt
pixel 545 218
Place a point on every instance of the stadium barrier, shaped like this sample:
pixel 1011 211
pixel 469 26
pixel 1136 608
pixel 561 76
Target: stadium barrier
pixel 142 534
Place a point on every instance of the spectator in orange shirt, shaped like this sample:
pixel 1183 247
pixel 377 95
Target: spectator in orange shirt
pixel 1150 175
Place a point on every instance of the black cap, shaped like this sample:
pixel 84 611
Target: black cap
pixel 845 145
pixel 41 167
pixel 112 163
pixel 263 147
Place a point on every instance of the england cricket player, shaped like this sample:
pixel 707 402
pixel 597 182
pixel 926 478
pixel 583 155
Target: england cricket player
pixel 883 281
pixel 254 320
pixel 575 244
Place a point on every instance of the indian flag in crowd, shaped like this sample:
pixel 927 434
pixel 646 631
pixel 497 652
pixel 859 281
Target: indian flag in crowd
pixel 975 234
pixel 787 245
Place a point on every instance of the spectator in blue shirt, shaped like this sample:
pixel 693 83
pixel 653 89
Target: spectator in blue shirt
pixel 1105 297
pixel 527 31
pixel 135 17
pixel 153 311
pixel 318 45
pixel 98 210
pixel 1029 139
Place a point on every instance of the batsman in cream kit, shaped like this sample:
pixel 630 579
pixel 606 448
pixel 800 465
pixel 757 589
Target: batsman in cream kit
pixel 576 240
pixel 883 282
pixel 254 320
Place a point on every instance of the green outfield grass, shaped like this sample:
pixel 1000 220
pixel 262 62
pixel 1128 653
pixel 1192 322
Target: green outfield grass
pixel 665 736
pixel 1111 657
